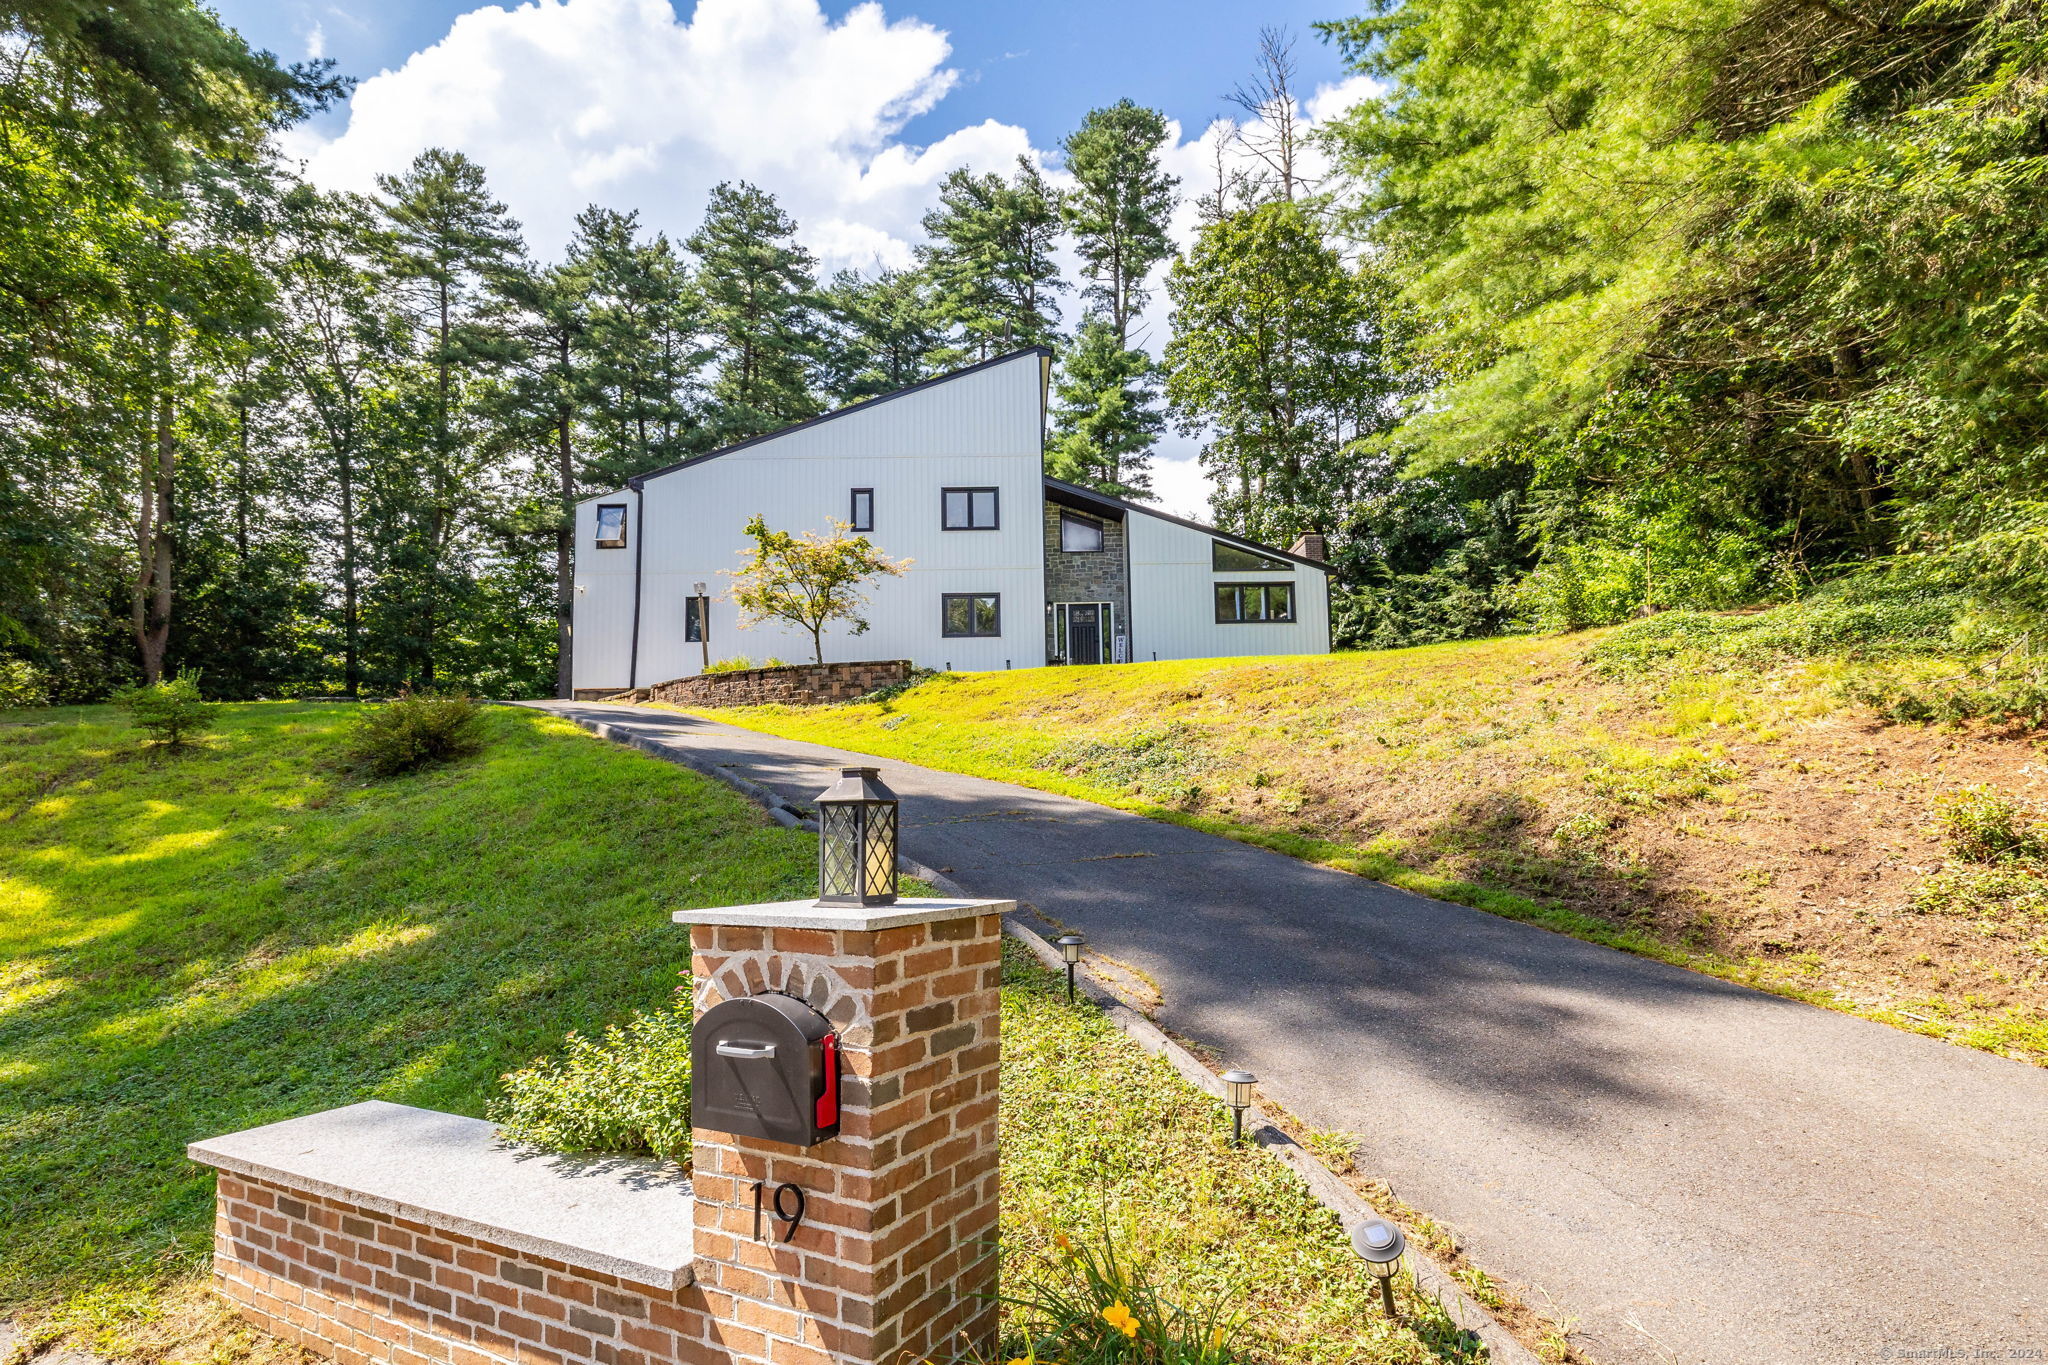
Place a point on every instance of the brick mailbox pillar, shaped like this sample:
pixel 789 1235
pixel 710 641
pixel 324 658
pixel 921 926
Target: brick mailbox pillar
pixel 875 1246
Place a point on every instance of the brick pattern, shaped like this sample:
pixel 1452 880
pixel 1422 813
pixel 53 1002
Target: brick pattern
pixel 1103 576
pixel 895 1257
pixel 795 685
pixel 358 1286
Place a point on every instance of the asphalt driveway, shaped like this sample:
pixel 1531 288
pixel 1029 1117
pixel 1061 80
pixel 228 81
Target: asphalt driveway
pixel 1690 1170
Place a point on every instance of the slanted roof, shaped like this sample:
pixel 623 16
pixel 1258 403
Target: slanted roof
pixel 1102 504
pixel 864 405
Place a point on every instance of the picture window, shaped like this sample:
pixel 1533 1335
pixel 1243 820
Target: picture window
pixel 1242 602
pixel 1079 535
pixel 1224 558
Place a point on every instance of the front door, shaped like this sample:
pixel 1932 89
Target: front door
pixel 1084 633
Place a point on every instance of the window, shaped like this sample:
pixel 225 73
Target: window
pixel 695 611
pixel 611 526
pixel 970 509
pixel 1235 559
pixel 863 518
pixel 972 614
pixel 1254 602
pixel 1080 536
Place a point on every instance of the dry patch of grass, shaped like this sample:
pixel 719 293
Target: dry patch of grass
pixel 1756 824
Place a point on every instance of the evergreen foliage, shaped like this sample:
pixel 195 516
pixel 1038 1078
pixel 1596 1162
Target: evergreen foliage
pixel 990 259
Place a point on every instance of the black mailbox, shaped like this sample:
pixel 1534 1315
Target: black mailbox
pixel 766 1066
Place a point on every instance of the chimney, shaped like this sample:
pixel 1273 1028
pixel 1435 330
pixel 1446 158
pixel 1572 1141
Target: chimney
pixel 1311 546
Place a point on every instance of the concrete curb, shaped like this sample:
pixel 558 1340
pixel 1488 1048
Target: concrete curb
pixel 1349 1206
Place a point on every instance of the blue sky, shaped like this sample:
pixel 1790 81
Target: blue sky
pixel 1038 63
pixel 851 114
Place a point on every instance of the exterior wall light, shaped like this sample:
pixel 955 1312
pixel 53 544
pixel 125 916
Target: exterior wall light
pixel 1237 1087
pixel 1380 1245
pixel 857 840
pixel 1070 949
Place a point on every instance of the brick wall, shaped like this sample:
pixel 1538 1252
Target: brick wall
pixel 359 1286
pixel 896 1252
pixel 795 685
pixel 894 1259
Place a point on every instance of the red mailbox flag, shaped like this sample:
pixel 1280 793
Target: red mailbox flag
pixel 828 1102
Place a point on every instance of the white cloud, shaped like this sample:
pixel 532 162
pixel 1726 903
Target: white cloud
pixel 624 103
pixel 316 42
pixel 621 102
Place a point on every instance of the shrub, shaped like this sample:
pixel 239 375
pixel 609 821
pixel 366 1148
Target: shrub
pixel 738 664
pixel 1994 893
pixel 413 731
pixel 171 709
pixel 1987 826
pixel 628 1091
pixel 22 685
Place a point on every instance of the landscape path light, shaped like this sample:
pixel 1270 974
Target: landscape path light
pixel 1070 950
pixel 1380 1244
pixel 1237 1087
pixel 857 840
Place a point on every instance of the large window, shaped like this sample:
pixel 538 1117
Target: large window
pixel 1236 559
pixel 970 509
pixel 1079 535
pixel 1237 602
pixel 863 512
pixel 611 526
pixel 972 614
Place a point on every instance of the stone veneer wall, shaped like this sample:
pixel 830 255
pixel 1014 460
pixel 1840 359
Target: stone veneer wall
pixel 793 685
pixel 895 1258
pixel 358 1286
pixel 1095 577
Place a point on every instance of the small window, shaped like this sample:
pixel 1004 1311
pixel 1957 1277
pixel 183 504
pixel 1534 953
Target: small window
pixel 971 614
pixel 970 509
pixel 695 610
pixel 863 516
pixel 1080 536
pixel 1235 559
pixel 1237 602
pixel 611 526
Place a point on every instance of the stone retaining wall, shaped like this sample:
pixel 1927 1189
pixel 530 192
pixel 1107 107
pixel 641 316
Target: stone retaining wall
pixel 794 685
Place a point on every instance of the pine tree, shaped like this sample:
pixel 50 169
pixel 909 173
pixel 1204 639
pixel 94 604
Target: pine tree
pixel 887 333
pixel 1119 208
pixel 448 243
pixel 1105 415
pixel 991 258
pixel 758 293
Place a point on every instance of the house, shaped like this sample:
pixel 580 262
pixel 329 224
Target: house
pixel 1009 568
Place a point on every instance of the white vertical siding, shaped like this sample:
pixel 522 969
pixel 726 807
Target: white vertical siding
pixel 1173 600
pixel 981 429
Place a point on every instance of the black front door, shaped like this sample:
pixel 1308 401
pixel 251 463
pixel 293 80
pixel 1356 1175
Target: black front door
pixel 1084 633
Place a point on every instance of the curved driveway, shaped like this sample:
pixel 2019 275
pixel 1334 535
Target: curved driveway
pixel 1690 1170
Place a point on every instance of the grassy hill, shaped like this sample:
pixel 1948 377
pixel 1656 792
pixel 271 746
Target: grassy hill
pixel 1713 792
pixel 196 943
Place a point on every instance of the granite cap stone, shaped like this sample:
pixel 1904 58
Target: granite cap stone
pixel 624 1216
pixel 808 914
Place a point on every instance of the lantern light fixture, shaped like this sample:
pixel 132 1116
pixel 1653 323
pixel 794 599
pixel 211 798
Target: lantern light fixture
pixel 857 840
pixel 1070 952
pixel 1380 1245
pixel 1237 1089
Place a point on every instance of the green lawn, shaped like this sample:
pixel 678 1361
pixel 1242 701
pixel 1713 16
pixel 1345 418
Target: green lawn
pixel 234 935
pixel 237 934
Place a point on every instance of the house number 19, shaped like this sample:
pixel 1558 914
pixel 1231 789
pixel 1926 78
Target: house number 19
pixel 791 1216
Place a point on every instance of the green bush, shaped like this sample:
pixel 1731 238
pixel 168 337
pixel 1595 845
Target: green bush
pixel 21 685
pixel 171 710
pixel 1984 825
pixel 628 1091
pixel 412 731
pixel 1852 620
